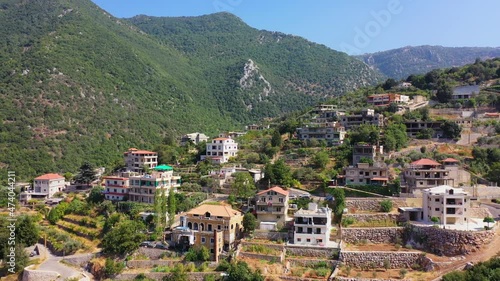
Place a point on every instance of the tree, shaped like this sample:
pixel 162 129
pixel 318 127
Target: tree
pixel 395 137
pixel 112 268
pixel 425 134
pixel 26 231
pixel 240 271
pixel 338 203
pixel 276 139
pixel 488 220
pixel 387 264
pixel 243 185
pixel 68 176
pixel 320 159
pixel 279 173
pixel 389 83
pixel 96 195
pixel 172 205
pixel 451 129
pixel 386 205
pixel 22 258
pixel 249 222
pixel 494 173
pixel 86 174
pixel 395 186
pixel 124 238
pixel 435 220
pixel 444 93
pixel 365 133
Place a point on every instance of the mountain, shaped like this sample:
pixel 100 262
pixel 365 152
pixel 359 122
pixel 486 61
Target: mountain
pixel 78 84
pixel 402 62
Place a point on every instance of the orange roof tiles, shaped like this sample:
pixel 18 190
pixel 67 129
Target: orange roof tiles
pixel 450 160
pixel 425 162
pixel 49 177
pixel 214 210
pixel 277 189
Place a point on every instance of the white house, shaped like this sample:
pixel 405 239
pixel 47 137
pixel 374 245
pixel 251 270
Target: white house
pixel 143 188
pixel 220 150
pixel 116 188
pixel 312 226
pixel 49 184
pixel 447 203
pixel 195 138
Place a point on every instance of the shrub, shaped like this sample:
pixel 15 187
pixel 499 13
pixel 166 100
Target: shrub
pixel 222 266
pixel 348 221
pixel 386 205
pixel 403 272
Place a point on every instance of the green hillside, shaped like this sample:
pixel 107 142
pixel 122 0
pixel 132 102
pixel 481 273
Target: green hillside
pixel 402 62
pixel 78 84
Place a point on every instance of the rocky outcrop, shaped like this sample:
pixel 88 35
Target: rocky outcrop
pixel 375 235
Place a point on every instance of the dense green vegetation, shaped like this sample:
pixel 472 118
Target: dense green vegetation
pixel 77 84
pixel 489 270
pixel 400 63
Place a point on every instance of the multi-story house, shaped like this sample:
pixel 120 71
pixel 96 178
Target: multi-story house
pixel 387 99
pixel 116 188
pixel 216 227
pixel 143 188
pixel 195 138
pixel 327 113
pixel 332 133
pixel 414 127
pixel 271 207
pixel 312 226
pixel 136 160
pixel 49 184
pixel 425 173
pixel 220 150
pixel 366 151
pixel 465 92
pixel 255 127
pixel 365 174
pixel 367 116
pixel 449 204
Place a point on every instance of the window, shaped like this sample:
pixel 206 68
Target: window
pixel 437 199
pixel 319 240
pixel 209 227
pixel 278 217
pixel 299 239
pixel 219 227
pixel 280 200
pixel 318 230
pixel 203 239
pixel 436 209
pixel 308 240
pixel 211 240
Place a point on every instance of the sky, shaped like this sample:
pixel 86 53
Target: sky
pixel 352 26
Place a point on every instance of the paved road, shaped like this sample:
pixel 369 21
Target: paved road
pixel 52 263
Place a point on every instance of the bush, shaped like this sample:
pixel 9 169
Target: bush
pixel 222 266
pixel 348 221
pixel 386 205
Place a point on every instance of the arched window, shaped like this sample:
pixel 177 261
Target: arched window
pixel 201 227
pixel 195 226
pixel 190 225
pixel 207 215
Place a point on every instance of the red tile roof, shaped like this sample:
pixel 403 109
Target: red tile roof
pixel 450 160
pixel 137 151
pixel 277 189
pixel 49 177
pixel 425 162
pixel 114 178
pixel 222 139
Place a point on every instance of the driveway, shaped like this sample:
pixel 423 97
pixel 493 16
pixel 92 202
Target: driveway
pixel 52 263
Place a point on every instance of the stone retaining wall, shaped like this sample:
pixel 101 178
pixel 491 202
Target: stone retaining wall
pixel 372 217
pixel 271 235
pixel 372 204
pixel 192 276
pixel 308 262
pixel 270 245
pixel 367 279
pixel 360 259
pixel 445 241
pixel 310 252
pixel 151 263
pixel 375 235
pixel 36 275
pixel 151 253
pixel 258 256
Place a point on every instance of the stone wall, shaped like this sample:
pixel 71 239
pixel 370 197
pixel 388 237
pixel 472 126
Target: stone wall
pixel 291 262
pixel 327 253
pixel 271 235
pixel 367 279
pixel 360 259
pixel 375 235
pixel 36 275
pixel 258 256
pixel 192 276
pixel 151 253
pixel 151 263
pixel 372 204
pixel 445 241
pixel 267 245
pixel 372 217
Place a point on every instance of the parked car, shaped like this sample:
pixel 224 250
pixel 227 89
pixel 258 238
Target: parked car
pixel 329 198
pixel 148 244
pixel 305 195
pixel 161 246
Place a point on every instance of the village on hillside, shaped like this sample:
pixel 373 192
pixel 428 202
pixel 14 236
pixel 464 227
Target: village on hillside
pixel 391 191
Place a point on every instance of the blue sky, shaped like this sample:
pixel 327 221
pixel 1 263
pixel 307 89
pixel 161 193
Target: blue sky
pixel 352 26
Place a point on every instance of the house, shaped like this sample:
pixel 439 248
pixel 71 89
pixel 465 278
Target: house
pixel 425 173
pixel 312 226
pixel 48 185
pixel 143 188
pixel 216 227
pixel 220 150
pixel 450 205
pixel 327 113
pixel 365 174
pixel 387 99
pixel 367 116
pixel 366 151
pixel 414 127
pixel 116 188
pixel 465 92
pixel 333 133
pixel 195 138
pixel 255 127
pixel 271 207
pixel 136 160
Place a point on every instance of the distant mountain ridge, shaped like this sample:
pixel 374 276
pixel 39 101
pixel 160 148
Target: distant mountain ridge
pixel 402 62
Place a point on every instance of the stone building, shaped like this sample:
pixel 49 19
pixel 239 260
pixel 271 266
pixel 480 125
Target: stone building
pixel 271 207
